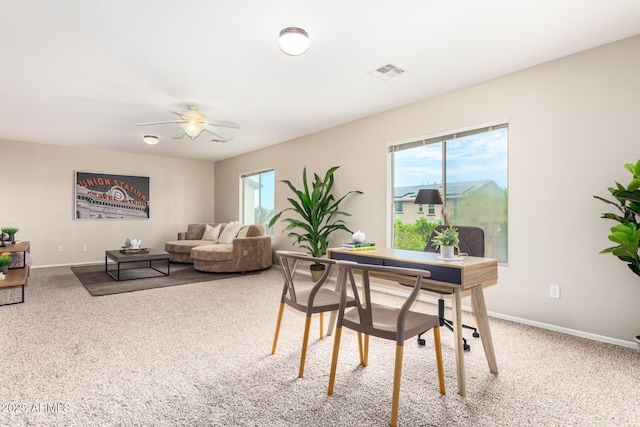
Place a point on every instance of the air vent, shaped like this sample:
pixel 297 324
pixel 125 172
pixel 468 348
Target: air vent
pixel 387 71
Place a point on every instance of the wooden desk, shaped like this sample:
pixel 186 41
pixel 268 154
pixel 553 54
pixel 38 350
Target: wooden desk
pixel 447 277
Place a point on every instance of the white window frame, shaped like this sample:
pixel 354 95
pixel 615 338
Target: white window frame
pixel 242 206
pixel 425 140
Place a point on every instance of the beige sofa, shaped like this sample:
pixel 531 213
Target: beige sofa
pixel 248 253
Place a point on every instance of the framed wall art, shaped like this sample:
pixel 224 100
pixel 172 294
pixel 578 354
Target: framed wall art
pixel 110 196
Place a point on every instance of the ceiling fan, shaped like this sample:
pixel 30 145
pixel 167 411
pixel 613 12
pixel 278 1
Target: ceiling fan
pixel 192 123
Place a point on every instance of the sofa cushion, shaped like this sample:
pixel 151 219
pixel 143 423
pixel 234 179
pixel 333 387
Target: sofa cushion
pixel 183 246
pixel 243 231
pixel 195 231
pixel 218 252
pixel 229 232
pixel 211 233
pixel 255 230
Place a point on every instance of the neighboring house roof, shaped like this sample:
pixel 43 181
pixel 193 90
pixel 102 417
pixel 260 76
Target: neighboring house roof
pixel 454 189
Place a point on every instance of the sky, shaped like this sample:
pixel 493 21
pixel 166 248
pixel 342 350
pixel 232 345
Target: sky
pixel 476 157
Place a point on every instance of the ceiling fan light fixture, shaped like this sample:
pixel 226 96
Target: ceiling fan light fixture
pixel 293 41
pixel 150 139
pixel 192 129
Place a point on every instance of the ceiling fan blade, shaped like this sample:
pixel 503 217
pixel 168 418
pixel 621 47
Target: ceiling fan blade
pixel 223 123
pixel 217 132
pixel 179 133
pixel 158 123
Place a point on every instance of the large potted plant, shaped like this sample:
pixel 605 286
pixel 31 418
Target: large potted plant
pixel 317 212
pixel 626 233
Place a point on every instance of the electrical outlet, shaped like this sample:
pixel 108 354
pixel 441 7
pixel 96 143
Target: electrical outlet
pixel 554 291
pixel 84 247
pixel 59 248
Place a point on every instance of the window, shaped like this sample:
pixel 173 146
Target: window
pixel 420 208
pixel 398 207
pixel 258 198
pixel 470 169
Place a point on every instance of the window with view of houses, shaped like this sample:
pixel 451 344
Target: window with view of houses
pixel 469 168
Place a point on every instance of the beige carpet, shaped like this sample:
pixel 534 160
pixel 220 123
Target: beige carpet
pixel 198 355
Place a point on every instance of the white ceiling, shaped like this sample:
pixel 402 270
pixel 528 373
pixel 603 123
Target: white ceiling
pixel 83 73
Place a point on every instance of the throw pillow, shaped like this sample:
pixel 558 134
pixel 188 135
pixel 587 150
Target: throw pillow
pixel 243 231
pixel 229 232
pixel 211 233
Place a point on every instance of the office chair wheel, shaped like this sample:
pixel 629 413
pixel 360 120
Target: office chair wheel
pixel 476 335
pixel 466 347
pixel 421 341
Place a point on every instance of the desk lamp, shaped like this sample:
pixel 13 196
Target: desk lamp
pixel 427 196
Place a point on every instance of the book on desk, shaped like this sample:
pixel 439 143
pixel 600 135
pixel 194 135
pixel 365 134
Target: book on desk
pixel 352 246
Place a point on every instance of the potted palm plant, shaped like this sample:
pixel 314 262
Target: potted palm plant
pixel 626 233
pixel 446 240
pixel 317 212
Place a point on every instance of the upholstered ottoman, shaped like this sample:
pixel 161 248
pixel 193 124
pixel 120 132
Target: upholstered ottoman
pixel 213 258
pixel 180 250
pixel 253 254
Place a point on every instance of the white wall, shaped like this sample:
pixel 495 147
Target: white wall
pixel 572 127
pixel 37 196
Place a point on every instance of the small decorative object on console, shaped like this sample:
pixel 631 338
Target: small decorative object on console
pixel 358 237
pixel 9 234
pixel 5 261
pixel 132 244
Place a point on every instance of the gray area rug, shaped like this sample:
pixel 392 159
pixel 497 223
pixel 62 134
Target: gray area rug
pixel 99 283
pixel 199 355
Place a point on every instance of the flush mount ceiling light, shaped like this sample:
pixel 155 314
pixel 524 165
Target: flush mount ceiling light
pixel 293 41
pixel 150 139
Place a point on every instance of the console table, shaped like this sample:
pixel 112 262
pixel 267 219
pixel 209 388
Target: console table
pixel 469 274
pixel 17 276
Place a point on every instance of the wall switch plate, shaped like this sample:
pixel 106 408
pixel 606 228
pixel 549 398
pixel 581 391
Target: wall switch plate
pixel 59 248
pixel 84 247
pixel 554 291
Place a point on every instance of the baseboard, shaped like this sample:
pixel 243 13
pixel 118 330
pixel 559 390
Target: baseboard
pixel 563 330
pixel 66 264
pixel 542 325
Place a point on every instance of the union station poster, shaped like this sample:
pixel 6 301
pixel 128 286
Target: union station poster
pixel 109 196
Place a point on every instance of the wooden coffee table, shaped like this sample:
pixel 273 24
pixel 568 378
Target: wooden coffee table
pixel 144 259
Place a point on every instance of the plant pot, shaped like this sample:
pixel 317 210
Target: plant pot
pixel 637 340
pixel 316 271
pixel 447 251
pixel 4 269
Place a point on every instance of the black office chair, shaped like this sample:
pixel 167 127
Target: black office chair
pixel 472 244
